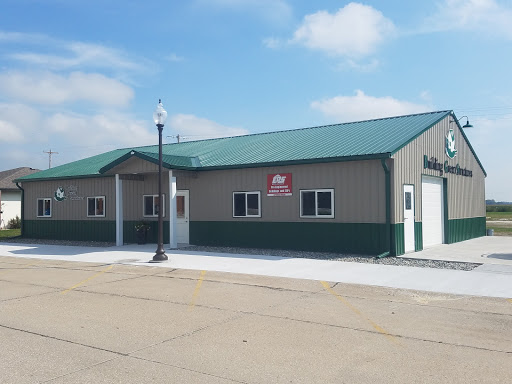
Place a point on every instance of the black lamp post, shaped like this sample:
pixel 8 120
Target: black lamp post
pixel 159 117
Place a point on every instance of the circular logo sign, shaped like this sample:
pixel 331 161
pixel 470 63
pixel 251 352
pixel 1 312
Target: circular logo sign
pixel 59 194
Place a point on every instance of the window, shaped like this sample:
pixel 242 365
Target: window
pixel 96 206
pixel 44 207
pixel 246 204
pixel 408 205
pixel 317 203
pixel 151 205
pixel 180 207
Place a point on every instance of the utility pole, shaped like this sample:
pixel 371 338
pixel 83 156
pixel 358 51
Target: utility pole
pixel 50 153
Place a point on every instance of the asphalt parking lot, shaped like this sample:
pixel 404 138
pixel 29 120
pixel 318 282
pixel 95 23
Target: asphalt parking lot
pixel 76 322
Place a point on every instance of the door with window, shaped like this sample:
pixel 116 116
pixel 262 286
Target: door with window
pixel 409 218
pixel 182 216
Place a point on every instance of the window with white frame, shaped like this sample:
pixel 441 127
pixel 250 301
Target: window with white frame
pixel 44 207
pixel 96 206
pixel 317 203
pixel 246 204
pixel 151 205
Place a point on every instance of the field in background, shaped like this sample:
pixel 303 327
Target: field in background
pixel 499 218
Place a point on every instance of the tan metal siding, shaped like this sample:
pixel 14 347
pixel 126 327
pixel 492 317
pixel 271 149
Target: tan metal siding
pixel 133 165
pixel 359 189
pixel 466 195
pixel 70 209
pixel 134 190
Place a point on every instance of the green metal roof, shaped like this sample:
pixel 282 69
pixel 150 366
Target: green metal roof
pixel 339 142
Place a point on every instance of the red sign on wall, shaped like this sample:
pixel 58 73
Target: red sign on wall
pixel 279 184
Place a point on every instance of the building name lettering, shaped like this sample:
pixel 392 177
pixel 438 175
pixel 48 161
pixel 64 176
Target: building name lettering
pixel 73 193
pixel 445 168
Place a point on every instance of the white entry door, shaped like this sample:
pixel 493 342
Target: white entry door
pixel 182 217
pixel 409 217
pixel 432 211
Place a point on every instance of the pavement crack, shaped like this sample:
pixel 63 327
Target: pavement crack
pixel 189 370
pixel 29 296
pixel 60 339
pixel 380 334
pixel 82 369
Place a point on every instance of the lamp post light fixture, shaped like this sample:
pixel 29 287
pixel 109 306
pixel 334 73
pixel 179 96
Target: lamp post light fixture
pixel 159 117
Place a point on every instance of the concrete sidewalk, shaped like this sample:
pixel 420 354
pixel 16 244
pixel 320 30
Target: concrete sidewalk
pixel 492 282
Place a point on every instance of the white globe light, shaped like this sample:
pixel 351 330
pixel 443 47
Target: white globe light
pixel 160 114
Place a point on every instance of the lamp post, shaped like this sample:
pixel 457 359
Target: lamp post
pixel 159 117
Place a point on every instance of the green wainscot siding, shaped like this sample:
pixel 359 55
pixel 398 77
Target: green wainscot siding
pixel 465 229
pixel 77 230
pixel 361 238
pixel 418 236
pixel 397 239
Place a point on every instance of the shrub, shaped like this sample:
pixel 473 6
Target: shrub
pixel 14 223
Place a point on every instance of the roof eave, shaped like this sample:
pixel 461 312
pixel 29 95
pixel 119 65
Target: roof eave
pixel 448 113
pixel 340 159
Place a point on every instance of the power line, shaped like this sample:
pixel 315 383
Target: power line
pixel 178 137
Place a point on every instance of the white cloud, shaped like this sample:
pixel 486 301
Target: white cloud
pixel 33 49
pixel 50 89
pixel 99 129
pixel 272 43
pixel 363 107
pixel 196 128
pixel 8 132
pixel 18 123
pixel 479 15
pixel 17 37
pixel 355 30
pixel 73 135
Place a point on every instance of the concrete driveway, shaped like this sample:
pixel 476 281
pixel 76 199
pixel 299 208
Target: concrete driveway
pixel 495 250
pixel 96 322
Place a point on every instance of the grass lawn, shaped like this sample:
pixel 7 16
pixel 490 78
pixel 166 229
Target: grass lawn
pixel 501 231
pixel 498 215
pixel 7 233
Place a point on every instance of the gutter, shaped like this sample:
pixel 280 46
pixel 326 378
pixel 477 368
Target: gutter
pixel 22 209
pixel 388 208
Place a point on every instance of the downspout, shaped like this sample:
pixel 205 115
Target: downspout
pixel 388 207
pixel 22 209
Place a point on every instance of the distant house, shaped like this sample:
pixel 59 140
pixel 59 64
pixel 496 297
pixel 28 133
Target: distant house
pixel 10 195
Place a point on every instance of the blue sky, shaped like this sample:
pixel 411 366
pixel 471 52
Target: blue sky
pixel 81 77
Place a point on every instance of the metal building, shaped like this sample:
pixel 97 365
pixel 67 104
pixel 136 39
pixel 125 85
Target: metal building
pixel 394 185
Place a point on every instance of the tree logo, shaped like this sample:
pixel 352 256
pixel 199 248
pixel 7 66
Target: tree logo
pixel 450 144
pixel 59 194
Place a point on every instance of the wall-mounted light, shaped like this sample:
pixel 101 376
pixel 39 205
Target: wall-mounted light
pixel 467 125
